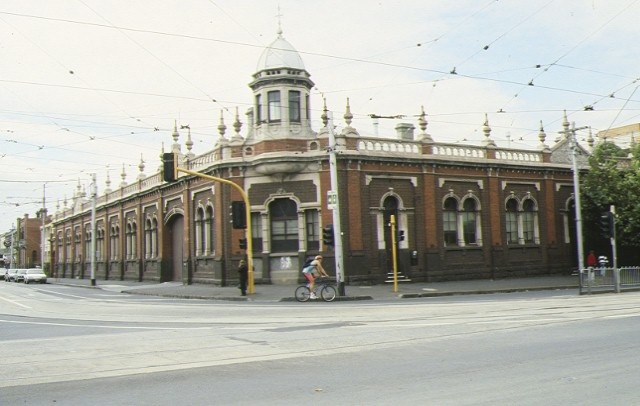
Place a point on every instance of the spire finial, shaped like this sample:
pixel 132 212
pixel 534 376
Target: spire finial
pixel 324 116
pixel 279 15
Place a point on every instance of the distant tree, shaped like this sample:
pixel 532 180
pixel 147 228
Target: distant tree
pixel 613 179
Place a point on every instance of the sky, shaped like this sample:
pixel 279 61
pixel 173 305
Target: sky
pixel 95 86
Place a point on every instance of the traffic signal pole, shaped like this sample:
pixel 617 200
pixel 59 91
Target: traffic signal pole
pixel 250 288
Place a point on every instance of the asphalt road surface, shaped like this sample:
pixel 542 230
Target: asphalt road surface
pixel 74 346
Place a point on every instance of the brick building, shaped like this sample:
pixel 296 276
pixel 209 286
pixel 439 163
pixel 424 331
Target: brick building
pixel 466 211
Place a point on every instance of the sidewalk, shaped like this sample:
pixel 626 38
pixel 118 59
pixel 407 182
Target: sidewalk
pixel 280 293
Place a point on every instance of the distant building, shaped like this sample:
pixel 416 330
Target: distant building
pixel 466 211
pixel 624 136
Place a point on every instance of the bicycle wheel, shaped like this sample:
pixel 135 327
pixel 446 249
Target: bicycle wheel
pixel 328 293
pixel 302 293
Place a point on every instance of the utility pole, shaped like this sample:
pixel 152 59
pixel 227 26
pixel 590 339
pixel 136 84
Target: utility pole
pixel 337 228
pixel 94 195
pixel 571 135
pixel 13 231
pixel 42 239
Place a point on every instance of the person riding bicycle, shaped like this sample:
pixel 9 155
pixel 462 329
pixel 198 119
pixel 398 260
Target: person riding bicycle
pixel 313 271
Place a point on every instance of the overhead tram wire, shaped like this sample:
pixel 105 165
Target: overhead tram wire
pixel 155 57
pixel 76 75
pixel 534 79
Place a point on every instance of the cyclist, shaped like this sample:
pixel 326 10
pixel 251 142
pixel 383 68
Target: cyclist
pixel 313 271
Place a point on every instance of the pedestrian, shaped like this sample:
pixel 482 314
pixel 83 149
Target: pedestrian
pixel 592 261
pixel 243 273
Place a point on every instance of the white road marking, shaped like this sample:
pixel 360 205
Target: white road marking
pixel 14 302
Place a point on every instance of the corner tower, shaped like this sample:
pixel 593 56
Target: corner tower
pixel 281 87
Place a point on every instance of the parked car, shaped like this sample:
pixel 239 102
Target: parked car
pixel 19 276
pixel 35 275
pixel 11 273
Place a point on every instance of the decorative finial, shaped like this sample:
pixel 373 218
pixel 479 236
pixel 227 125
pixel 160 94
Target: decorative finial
pixel 123 176
pixel 565 123
pixel 348 117
pixel 590 140
pixel 189 142
pixel 222 128
pixel 324 116
pixel 237 125
pixel 542 136
pixel 487 132
pixel 279 15
pixel 141 168
pixel 422 123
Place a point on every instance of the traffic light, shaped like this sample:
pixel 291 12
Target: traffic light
pixel 238 214
pixel 243 243
pixel 169 172
pixel 607 224
pixel 327 235
pixel 400 235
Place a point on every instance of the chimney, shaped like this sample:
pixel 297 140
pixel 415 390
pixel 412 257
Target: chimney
pixel 405 131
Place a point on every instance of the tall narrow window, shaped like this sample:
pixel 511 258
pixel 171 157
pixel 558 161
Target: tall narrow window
pixel 294 106
pixel 147 238
pixel 313 232
pixel 528 225
pixel 154 238
pixel 134 240
pixel 450 221
pixel 87 242
pixel 469 221
pixel 77 249
pixel 307 113
pixel 256 232
pixel 512 221
pixel 209 231
pixel 284 225
pixel 274 106
pixel 200 231
pixel 100 243
pixel 258 109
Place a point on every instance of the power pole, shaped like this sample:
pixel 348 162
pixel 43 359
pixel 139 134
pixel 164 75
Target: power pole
pixel 571 135
pixel 94 195
pixel 337 228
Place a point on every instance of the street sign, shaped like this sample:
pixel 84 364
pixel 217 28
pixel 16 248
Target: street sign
pixel 332 199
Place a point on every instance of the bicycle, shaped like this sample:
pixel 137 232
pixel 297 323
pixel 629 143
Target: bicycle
pixel 327 291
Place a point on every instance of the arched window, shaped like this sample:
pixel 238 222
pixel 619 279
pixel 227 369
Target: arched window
pixel 450 221
pixel 115 242
pixel 284 225
pixel 469 221
pixel 134 240
pixel 147 239
pixel 528 222
pixel 200 231
pixel 209 230
pixel 511 221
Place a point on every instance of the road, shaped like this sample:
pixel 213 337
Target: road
pixel 77 346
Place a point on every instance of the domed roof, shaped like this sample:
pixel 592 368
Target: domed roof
pixel 280 54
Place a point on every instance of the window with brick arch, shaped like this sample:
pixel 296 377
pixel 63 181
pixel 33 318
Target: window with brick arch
pixel 511 221
pixel 469 222
pixel 450 221
pixel 284 225
pixel 528 221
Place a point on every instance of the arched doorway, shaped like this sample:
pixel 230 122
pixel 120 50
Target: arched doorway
pixel 174 248
pixel 390 206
